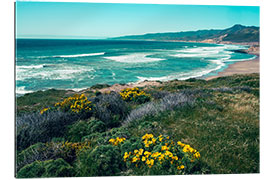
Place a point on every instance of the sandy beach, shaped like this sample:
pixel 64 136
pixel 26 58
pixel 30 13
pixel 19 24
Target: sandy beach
pixel 244 67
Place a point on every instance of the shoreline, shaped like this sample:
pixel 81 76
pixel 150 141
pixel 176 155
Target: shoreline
pixel 241 67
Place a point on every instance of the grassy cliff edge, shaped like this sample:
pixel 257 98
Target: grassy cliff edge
pixel 219 118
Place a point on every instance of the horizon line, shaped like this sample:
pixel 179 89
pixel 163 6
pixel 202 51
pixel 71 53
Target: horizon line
pixel 110 37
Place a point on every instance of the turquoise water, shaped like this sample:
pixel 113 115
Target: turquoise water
pixel 79 64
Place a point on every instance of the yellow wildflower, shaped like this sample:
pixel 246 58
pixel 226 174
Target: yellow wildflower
pixel 143 158
pixel 168 153
pixel 147 136
pixel 134 159
pixel 180 167
pixel 112 140
pixel 180 144
pixel 147 154
pixel 197 155
pixel 126 155
pixel 44 110
pixel 161 157
pixel 164 148
pixel 150 163
pixel 140 151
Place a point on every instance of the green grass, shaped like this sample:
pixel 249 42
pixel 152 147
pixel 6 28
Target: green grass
pixel 224 126
pixel 222 123
pixel 225 131
pixel 36 101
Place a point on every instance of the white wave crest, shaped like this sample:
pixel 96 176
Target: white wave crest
pixel 77 89
pixel 30 66
pixel 134 58
pixel 21 90
pixel 80 55
pixel 217 52
pixel 237 60
pixel 57 72
pixel 186 75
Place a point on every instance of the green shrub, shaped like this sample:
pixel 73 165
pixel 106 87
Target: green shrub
pixel 78 103
pixel 51 150
pixel 103 138
pixel 69 151
pixel 100 86
pixel 31 154
pixel 160 155
pixel 96 126
pixel 77 130
pixel 84 128
pixel 92 137
pixel 195 80
pixel 49 168
pixel 104 160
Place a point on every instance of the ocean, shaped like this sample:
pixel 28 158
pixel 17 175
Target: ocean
pixel 77 64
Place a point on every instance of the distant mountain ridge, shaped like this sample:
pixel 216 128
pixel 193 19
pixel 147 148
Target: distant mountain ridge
pixel 237 33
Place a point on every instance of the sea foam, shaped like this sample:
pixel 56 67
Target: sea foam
pixel 69 56
pixel 237 60
pixel 134 58
pixel 56 72
pixel 202 52
pixel 30 66
pixel 186 75
pixel 21 90
pixel 80 55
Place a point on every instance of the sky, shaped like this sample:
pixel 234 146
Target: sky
pixel 102 20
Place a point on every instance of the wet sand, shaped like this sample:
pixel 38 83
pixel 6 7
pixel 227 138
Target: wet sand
pixel 244 67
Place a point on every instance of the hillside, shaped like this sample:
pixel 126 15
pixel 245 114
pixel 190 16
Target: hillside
pixel 176 127
pixel 237 33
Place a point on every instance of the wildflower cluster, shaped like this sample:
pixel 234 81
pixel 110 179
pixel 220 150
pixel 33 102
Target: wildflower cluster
pixel 188 149
pixel 77 147
pixel 162 153
pixel 116 141
pixel 44 110
pixel 77 103
pixel 148 139
pixel 134 94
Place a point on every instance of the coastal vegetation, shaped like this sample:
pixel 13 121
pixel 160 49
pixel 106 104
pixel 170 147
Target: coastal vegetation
pixel 178 127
